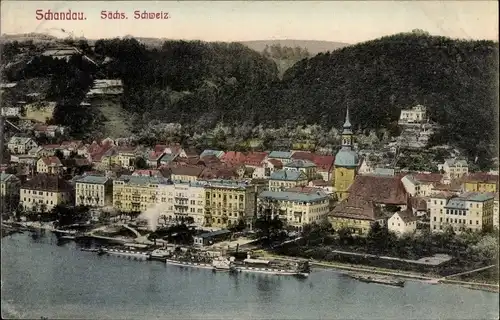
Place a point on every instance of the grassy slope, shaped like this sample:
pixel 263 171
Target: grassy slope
pixel 116 119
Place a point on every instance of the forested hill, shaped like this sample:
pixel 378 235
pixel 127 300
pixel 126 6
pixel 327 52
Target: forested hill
pixel 201 84
pixel 456 80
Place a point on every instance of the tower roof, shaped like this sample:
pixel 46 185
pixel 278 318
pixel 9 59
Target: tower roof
pixel 347 123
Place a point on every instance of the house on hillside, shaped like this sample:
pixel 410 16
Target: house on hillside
pixel 50 165
pixel 20 145
pixel 454 168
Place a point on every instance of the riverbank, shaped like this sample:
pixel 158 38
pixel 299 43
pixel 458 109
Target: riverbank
pixel 427 278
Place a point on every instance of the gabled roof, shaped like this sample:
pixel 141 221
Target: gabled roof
pixel 288 175
pixel 407 216
pixel 280 154
pixel 303 155
pixel 93 179
pixel 428 177
pixel 379 189
pixel 52 161
pixel 418 203
pixel 324 163
pixel 233 157
pixel 208 152
pixel 481 177
pixel 276 163
pixel 300 164
pixel 186 171
pixel 47 182
pixel 456 162
pixel 255 158
pixel 356 208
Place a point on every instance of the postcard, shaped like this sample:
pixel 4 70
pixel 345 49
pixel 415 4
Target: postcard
pixel 249 159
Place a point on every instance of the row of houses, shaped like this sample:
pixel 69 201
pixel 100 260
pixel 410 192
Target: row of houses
pixel 222 203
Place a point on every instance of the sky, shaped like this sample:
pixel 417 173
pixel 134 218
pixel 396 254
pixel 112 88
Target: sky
pixel 349 22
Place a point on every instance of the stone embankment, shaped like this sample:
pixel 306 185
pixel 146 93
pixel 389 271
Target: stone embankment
pixel 432 279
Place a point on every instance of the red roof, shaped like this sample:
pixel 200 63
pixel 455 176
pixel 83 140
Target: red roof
pixel 233 157
pixel 255 158
pixel 481 177
pixel 428 177
pixel 324 163
pixel 160 148
pixel 303 155
pixel 155 156
pixel 276 163
pixel 52 161
pixel 379 189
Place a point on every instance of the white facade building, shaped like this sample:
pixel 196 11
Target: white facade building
pixel 402 222
pixel 416 114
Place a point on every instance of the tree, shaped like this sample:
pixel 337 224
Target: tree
pixel 239 226
pixel 140 163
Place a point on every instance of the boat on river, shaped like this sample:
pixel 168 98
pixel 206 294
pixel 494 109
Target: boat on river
pixel 223 264
pixel 379 280
pixel 298 269
pixel 159 254
pixel 142 255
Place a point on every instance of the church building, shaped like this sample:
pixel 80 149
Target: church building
pixel 346 162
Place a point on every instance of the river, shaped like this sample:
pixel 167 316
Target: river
pixel 42 278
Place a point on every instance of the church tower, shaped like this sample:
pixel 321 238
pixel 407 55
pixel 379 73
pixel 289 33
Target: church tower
pixel 346 162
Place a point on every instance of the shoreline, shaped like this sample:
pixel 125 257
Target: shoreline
pixel 431 279
pixel 389 272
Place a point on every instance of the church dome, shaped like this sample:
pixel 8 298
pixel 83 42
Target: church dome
pixel 346 158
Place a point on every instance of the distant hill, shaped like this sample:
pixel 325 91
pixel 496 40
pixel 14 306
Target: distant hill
pixel 313 46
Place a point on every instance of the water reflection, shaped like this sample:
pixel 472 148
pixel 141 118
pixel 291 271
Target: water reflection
pixel 65 283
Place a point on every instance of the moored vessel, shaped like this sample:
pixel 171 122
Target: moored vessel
pixel 159 254
pixel 124 253
pixel 378 280
pixel 223 264
pixel 299 269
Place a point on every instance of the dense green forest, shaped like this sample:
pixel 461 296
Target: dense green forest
pixel 202 84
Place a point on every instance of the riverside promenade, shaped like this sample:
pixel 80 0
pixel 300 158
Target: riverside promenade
pixel 431 279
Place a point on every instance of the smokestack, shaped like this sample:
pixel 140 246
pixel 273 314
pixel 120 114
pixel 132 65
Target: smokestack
pixel 2 136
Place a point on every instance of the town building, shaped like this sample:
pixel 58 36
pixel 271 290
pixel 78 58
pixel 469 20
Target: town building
pixel 355 214
pixel 417 114
pixel 284 179
pixel 50 165
pixel 227 202
pixel 470 211
pixel 94 191
pixel 326 186
pixel 422 184
pixel 295 208
pixel 137 194
pixel 402 222
pixel 436 207
pixel 210 238
pixel 346 162
pixel 454 168
pixel 481 182
pixel 184 201
pixel 305 166
pixel 9 192
pixel 45 191
pixel 284 156
pixel 20 145
pixel 369 198
pixel 217 153
pixel 185 173
pixel 11 112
